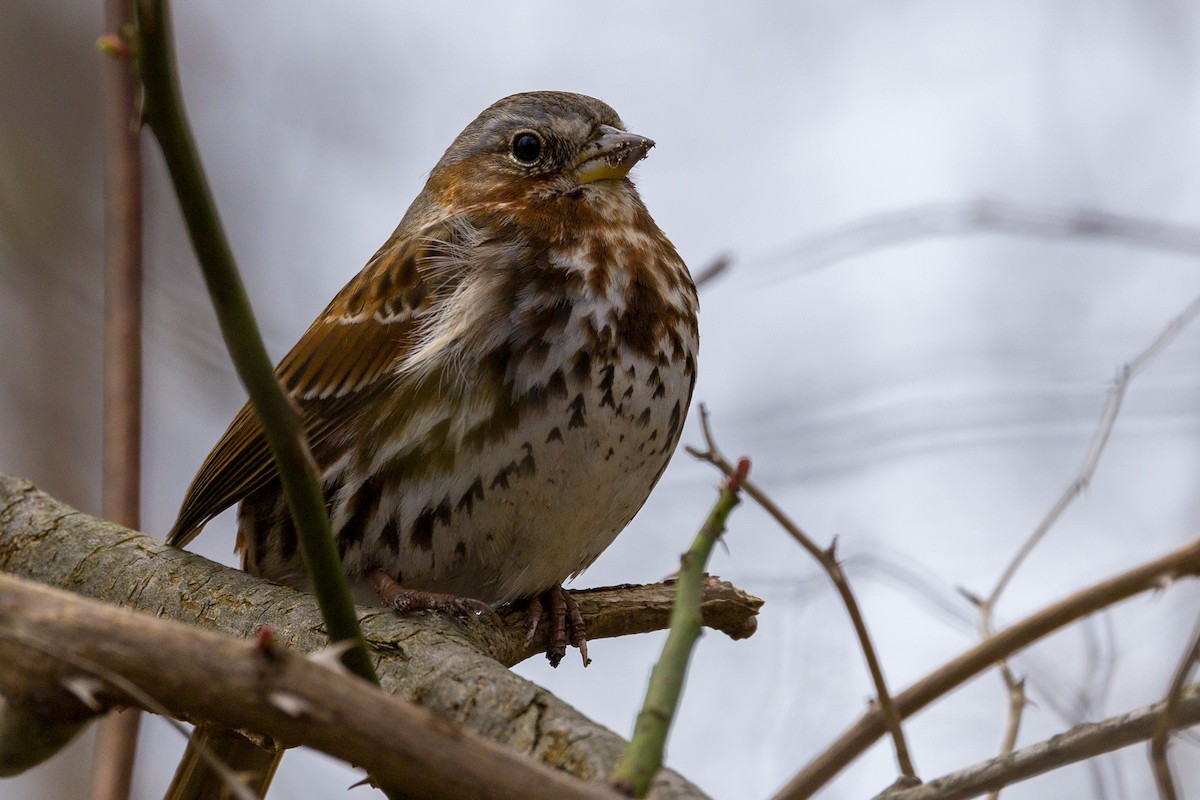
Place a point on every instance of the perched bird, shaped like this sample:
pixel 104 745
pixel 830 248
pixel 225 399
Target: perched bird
pixel 491 400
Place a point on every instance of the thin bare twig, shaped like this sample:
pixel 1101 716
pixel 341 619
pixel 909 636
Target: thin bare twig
pixel 1100 437
pixel 714 270
pixel 1042 677
pixel 1080 743
pixel 858 737
pixel 827 558
pixel 1108 418
pixel 1016 710
pixel 984 215
pixel 1171 717
pixel 116 741
pixel 979 216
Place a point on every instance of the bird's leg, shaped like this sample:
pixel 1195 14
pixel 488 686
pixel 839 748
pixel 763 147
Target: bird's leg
pixel 566 624
pixel 404 599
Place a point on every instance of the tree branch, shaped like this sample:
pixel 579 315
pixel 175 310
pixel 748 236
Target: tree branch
pixel 445 663
pixel 116 741
pixel 1078 744
pixel 1104 427
pixel 1184 562
pixel 256 685
pixel 827 559
pixel 1172 716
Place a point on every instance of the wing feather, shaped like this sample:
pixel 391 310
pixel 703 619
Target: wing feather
pixel 346 352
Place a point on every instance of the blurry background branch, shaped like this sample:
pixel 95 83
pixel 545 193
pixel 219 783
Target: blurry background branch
pixel 116 741
pixel 1176 713
pixel 986 215
pixel 1104 427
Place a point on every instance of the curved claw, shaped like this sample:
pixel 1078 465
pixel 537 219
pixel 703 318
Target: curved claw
pixel 533 617
pixel 470 607
pixel 404 599
pixel 566 624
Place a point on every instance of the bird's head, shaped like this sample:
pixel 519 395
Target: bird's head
pixel 538 146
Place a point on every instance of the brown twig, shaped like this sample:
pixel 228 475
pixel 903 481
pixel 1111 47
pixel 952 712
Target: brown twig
pixel 610 611
pixel 1016 710
pixel 1100 437
pixel 1104 427
pixel 1153 575
pixel 958 218
pixel 1171 718
pixel 1078 744
pixel 713 270
pixel 827 558
pixel 116 742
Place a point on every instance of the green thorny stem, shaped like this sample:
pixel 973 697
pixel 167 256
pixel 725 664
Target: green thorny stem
pixel 643 757
pixel 164 113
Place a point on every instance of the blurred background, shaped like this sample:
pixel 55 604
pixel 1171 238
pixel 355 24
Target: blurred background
pixel 924 390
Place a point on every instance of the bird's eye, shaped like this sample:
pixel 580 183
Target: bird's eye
pixel 527 147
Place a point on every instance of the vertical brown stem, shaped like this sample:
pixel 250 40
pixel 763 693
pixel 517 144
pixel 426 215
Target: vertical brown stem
pixel 112 768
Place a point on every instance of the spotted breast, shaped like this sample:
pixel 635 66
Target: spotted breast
pixel 491 400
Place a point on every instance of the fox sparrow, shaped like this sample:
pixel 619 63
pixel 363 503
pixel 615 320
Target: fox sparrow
pixel 492 398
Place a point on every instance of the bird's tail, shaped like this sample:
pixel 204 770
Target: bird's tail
pixel 249 761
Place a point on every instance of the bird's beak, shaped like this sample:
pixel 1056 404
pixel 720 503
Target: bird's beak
pixel 611 155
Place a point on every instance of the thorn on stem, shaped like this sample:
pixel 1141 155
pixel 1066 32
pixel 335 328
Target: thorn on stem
pixel 971 597
pixel 86 689
pixel 738 476
pixel 331 657
pixel 831 551
pixel 266 642
pixel 293 705
pixel 113 46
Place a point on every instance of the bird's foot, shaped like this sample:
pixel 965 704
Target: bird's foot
pixel 566 624
pixel 404 599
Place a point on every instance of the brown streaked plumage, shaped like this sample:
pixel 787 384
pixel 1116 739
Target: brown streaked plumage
pixel 492 398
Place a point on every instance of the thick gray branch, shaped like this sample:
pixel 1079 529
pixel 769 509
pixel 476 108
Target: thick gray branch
pixel 448 665
pixel 113 655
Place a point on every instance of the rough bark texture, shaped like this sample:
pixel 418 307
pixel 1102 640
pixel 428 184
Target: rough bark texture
pixel 111 655
pixel 448 665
